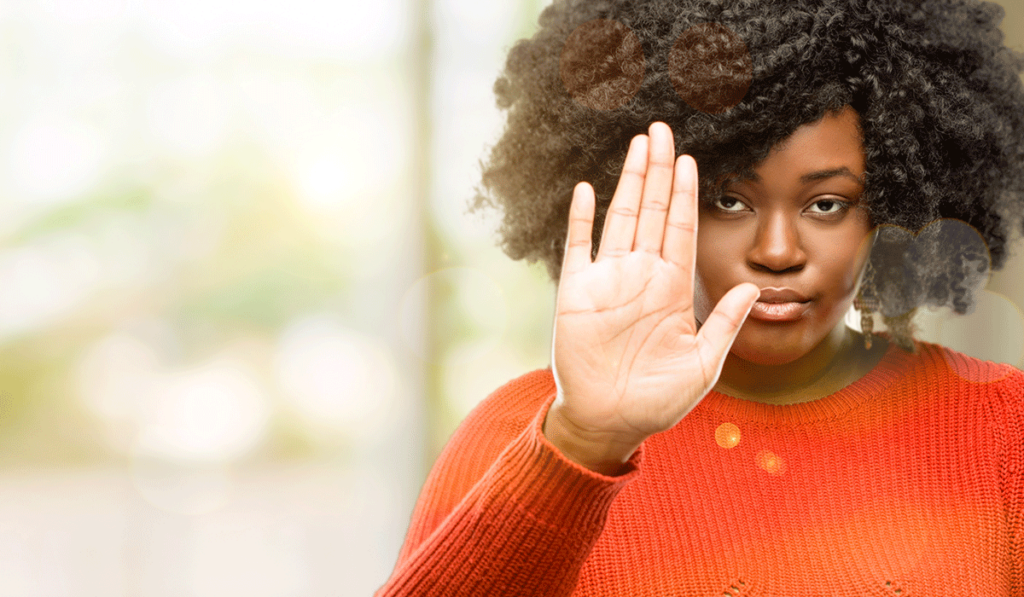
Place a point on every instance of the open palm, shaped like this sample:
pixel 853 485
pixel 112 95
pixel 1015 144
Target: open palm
pixel 628 358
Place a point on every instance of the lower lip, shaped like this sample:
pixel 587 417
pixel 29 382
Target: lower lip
pixel 778 311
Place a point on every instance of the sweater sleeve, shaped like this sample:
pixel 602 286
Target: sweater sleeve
pixel 502 511
pixel 1011 439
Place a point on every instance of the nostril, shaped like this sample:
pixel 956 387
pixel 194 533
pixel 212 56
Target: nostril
pixel 762 268
pixel 779 259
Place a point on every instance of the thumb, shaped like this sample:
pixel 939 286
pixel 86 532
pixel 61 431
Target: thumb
pixel 716 336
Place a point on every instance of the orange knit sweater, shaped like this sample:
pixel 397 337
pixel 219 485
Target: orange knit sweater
pixel 907 483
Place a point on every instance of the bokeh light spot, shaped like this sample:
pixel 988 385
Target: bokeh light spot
pixel 115 376
pixel 602 64
pixel 215 412
pixel 710 67
pixel 770 462
pixel 336 378
pixel 727 435
pixel 55 159
pixel 44 281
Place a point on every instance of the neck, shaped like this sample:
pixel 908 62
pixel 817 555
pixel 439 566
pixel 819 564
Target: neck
pixel 839 360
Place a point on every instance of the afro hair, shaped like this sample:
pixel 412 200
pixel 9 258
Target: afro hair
pixel 940 100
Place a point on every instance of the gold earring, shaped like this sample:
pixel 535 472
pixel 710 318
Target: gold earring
pixel 867 303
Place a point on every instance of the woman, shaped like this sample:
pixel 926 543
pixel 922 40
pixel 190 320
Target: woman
pixel 709 425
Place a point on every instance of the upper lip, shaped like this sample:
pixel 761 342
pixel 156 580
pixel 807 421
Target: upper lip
pixel 781 295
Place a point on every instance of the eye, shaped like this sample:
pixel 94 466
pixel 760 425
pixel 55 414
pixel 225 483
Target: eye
pixel 729 204
pixel 828 206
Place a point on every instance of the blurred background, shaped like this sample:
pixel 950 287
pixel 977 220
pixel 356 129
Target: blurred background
pixel 242 305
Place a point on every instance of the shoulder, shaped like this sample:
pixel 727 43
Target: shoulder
pixel 943 379
pixel 935 363
pixel 997 386
pixel 967 368
pixel 938 360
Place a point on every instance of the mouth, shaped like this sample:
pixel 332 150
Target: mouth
pixel 781 295
pixel 780 304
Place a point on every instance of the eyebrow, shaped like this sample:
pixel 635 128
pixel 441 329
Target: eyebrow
pixel 815 176
pixel 826 174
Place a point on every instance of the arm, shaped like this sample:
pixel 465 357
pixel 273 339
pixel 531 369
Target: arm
pixel 628 362
pixel 522 525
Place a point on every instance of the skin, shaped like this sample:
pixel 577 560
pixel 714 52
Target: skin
pixel 800 224
pixel 637 343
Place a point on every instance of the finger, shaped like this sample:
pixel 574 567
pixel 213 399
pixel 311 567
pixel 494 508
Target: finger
pixel 620 224
pixel 657 189
pixel 716 336
pixel 680 246
pixel 581 226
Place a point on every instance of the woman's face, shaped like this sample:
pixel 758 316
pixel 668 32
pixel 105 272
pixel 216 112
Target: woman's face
pixel 797 229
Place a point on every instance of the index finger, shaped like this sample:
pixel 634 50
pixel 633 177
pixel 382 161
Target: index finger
pixel 680 244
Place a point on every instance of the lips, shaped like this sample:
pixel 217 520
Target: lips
pixel 781 295
pixel 780 304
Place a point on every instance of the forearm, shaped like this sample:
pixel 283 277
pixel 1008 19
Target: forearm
pixel 526 527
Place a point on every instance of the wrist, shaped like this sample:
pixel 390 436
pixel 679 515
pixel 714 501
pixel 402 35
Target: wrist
pixel 602 453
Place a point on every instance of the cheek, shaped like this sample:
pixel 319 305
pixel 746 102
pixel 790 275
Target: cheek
pixel 846 260
pixel 716 258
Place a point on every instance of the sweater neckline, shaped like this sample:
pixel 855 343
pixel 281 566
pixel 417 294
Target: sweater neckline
pixel 889 368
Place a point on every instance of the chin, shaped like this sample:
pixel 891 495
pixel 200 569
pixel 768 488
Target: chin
pixel 765 350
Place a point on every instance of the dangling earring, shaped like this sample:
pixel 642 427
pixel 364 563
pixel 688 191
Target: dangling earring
pixel 867 303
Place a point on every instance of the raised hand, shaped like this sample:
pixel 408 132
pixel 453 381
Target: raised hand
pixel 628 358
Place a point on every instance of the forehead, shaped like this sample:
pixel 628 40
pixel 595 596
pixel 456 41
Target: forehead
pixel 829 147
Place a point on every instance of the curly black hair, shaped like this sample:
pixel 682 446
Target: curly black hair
pixel 940 100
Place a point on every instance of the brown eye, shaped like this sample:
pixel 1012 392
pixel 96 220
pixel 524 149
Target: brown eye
pixel 828 206
pixel 729 204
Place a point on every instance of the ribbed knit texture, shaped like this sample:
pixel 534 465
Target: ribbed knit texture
pixel 907 483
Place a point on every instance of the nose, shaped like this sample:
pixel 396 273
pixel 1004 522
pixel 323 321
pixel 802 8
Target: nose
pixel 776 247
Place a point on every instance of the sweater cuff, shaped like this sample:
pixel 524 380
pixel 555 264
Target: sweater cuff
pixel 545 485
